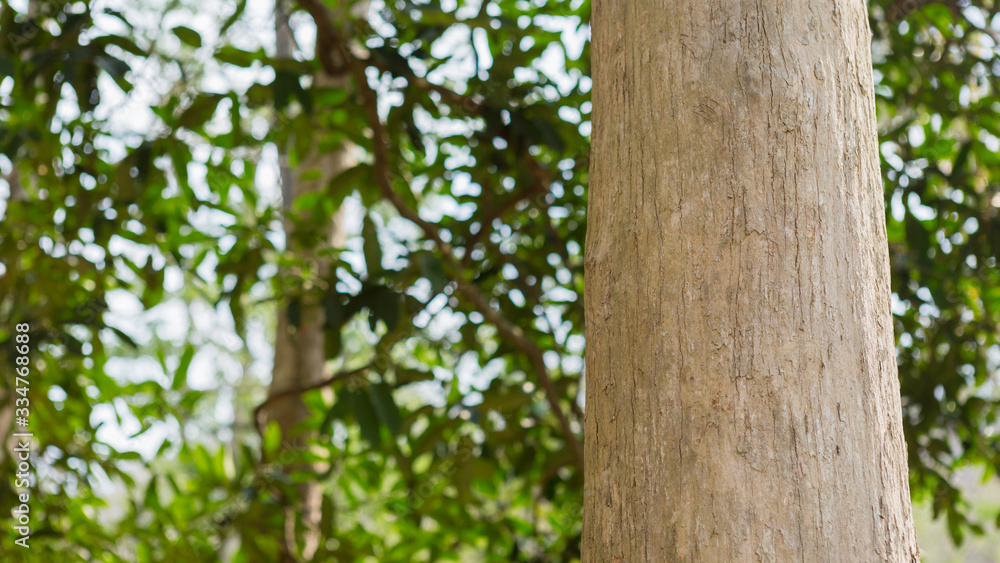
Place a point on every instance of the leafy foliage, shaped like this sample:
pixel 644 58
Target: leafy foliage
pixel 935 66
pixel 453 316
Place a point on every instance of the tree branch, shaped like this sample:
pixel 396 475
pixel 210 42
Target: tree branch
pixel 300 390
pixel 383 178
pixel 513 334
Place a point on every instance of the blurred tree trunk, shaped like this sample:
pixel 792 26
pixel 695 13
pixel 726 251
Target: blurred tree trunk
pixel 742 398
pixel 299 354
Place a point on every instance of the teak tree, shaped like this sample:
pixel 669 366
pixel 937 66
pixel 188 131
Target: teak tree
pixel 484 108
pixel 742 397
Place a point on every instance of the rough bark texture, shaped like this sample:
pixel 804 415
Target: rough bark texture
pixel 742 397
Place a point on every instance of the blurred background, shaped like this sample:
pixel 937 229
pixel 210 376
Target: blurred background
pixel 304 281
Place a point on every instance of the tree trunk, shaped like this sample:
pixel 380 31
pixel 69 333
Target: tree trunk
pixel 742 398
pixel 299 353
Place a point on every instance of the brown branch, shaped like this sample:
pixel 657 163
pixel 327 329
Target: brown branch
pixel 513 334
pixel 468 291
pixel 300 390
pixel 473 107
pixel 534 293
pixel 383 178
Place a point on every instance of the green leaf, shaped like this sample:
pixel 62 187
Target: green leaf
pixel 430 267
pixel 334 315
pixel 385 407
pixel 236 57
pixel 295 312
pixel 124 338
pixel 241 6
pixel 187 35
pixel 272 438
pixel 286 85
pixel 405 376
pixel 384 306
pixel 371 246
pixel 366 417
pixel 307 201
pixel 344 183
pixel 180 375
pixel 152 497
pixel 124 43
pixel 332 343
pixel 119 15
pixel 200 111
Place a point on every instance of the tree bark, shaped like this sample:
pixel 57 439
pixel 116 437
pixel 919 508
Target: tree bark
pixel 742 396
